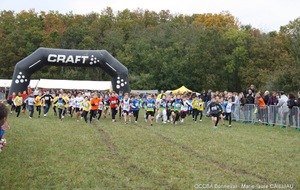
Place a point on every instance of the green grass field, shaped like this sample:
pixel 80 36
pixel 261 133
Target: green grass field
pixel 46 153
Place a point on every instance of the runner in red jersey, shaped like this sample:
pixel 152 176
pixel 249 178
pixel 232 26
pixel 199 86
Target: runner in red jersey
pixel 113 102
pixel 24 96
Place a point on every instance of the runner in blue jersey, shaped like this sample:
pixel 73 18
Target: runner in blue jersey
pixel 150 108
pixel 136 104
pixel 176 105
pixel 106 105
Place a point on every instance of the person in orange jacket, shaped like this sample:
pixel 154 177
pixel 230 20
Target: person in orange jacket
pixel 94 106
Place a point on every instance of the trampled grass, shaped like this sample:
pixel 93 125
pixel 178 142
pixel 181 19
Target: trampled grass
pixel 46 153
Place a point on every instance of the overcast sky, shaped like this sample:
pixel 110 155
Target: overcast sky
pixel 266 15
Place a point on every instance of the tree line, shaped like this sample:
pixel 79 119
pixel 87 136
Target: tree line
pixel 161 50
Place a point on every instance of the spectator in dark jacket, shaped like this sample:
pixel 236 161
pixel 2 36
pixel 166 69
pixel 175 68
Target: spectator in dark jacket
pixel 252 88
pixel 250 97
pixel 266 97
pixel 273 108
pixel 249 107
pixel 242 99
pixel 298 100
pixel 273 100
pixel 203 95
pixel 291 103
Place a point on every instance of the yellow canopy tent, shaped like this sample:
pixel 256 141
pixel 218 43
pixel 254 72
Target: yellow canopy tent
pixel 181 90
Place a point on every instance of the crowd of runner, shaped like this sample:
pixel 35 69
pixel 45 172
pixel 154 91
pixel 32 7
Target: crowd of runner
pixel 159 108
pixel 162 107
pixel 167 108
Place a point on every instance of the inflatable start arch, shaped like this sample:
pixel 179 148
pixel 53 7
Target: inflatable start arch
pixel 75 58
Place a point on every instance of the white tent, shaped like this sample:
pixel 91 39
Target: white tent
pixel 64 84
pixel 7 83
pixel 74 84
pixel 168 91
pixel 34 83
pixel 144 91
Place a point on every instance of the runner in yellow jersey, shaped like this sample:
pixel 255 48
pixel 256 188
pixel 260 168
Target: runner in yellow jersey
pixel 54 104
pixel 86 106
pixel 38 103
pixel 18 101
pixel 67 100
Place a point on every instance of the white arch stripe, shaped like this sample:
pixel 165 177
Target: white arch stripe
pixel 111 67
pixel 34 63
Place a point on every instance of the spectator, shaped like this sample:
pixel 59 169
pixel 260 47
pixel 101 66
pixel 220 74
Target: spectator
pixel 298 104
pixel 266 96
pixel 36 92
pixel 291 103
pixel 250 97
pixel 2 95
pixel 6 92
pixel 249 106
pixel 252 88
pixel 298 100
pixel 261 108
pixel 272 103
pixel 208 97
pixel 236 106
pixel 225 95
pixel 29 90
pixel 282 103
